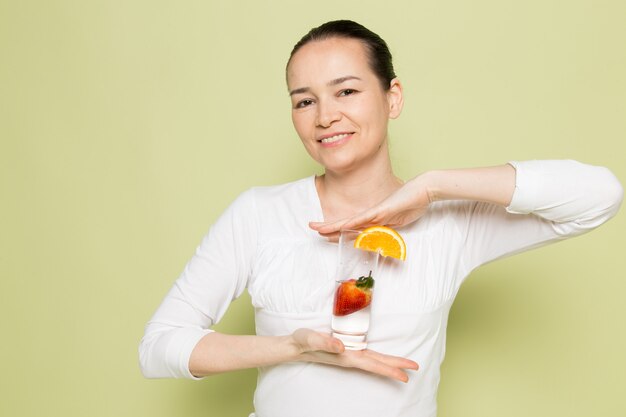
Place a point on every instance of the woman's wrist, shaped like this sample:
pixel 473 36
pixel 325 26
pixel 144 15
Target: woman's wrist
pixel 425 185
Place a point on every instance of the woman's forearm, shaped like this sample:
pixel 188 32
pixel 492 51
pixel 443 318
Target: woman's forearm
pixel 218 352
pixel 410 202
pixel 490 184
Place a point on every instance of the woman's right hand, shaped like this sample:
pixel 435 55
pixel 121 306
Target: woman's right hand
pixel 322 348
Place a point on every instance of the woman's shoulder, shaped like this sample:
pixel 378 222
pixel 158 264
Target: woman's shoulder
pixel 297 196
pixel 273 208
pixel 286 207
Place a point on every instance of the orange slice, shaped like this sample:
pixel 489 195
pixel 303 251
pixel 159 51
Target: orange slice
pixel 382 239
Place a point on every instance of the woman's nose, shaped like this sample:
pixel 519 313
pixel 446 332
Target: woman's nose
pixel 327 114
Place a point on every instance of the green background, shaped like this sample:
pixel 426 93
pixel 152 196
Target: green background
pixel 126 127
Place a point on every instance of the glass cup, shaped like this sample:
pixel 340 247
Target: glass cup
pixel 356 270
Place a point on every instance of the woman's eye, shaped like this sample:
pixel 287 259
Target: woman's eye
pixel 303 103
pixel 347 92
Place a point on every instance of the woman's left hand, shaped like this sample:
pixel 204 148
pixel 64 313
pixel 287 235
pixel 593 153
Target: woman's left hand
pixel 410 202
pixel 319 347
pixel 404 206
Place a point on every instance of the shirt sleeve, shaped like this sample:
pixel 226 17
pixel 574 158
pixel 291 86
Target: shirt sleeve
pixel 553 200
pixel 217 274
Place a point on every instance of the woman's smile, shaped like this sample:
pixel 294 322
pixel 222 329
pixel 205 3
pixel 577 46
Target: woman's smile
pixel 335 139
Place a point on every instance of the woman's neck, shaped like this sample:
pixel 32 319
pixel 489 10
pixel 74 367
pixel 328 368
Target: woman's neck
pixel 344 194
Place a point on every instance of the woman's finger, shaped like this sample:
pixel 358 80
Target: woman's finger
pixel 390 360
pixel 385 365
pixel 360 221
pixel 325 228
pixel 369 361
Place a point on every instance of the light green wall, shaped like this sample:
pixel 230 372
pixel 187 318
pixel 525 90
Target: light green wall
pixel 126 127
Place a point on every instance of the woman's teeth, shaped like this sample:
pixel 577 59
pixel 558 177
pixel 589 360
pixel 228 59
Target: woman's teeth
pixel 334 138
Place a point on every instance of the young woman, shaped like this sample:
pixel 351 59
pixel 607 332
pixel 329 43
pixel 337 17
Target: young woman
pixel 274 242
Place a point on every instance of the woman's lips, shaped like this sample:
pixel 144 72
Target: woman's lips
pixel 335 139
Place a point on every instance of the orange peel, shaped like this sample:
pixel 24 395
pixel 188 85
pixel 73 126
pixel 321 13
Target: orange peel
pixel 382 239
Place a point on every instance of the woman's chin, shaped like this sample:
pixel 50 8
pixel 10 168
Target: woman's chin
pixel 339 167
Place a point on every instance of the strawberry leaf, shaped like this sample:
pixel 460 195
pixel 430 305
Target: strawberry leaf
pixel 365 282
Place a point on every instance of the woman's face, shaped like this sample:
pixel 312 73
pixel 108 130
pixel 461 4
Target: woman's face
pixel 339 108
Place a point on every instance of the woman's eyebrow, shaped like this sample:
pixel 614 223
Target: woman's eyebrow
pixel 336 81
pixel 342 79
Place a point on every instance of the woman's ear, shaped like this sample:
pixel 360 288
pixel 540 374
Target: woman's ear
pixel 395 98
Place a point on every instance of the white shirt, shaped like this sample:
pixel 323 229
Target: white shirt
pixel 262 242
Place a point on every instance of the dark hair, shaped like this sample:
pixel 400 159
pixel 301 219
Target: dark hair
pixel 379 56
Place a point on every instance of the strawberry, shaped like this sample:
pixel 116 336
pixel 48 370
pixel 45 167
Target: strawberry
pixel 353 295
